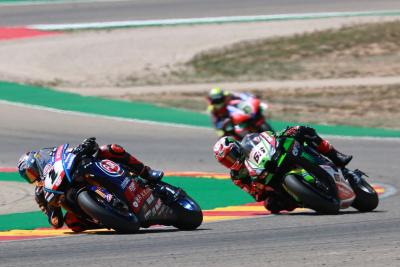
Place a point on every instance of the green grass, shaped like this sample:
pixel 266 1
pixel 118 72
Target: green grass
pixel 208 193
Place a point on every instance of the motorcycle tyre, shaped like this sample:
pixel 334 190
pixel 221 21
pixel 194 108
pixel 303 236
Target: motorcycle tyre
pixel 187 219
pixel 309 197
pixel 366 197
pixel 96 210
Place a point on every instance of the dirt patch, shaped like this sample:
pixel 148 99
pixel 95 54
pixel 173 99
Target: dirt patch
pixel 371 106
pixel 356 51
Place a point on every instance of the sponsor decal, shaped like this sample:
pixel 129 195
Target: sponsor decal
pixel 132 187
pixel 125 182
pixel 46 169
pixel 59 153
pixel 295 150
pixel 110 168
pixel 130 191
pixel 104 194
pixel 344 191
pixel 150 199
pixel 69 160
pixel 108 197
pixel 59 180
pixel 140 198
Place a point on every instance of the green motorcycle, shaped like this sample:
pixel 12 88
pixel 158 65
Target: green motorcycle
pixel 306 177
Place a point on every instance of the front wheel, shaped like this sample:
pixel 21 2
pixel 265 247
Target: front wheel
pixel 309 196
pixel 189 214
pixel 366 196
pixel 99 209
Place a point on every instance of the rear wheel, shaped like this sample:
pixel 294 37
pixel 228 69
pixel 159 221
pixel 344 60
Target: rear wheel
pixel 99 209
pixel 310 196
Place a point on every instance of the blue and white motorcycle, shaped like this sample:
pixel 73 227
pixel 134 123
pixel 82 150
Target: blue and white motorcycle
pixel 106 193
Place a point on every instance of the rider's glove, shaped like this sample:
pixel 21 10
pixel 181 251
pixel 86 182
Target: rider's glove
pixel 39 198
pixel 89 146
pixel 260 191
pixel 55 217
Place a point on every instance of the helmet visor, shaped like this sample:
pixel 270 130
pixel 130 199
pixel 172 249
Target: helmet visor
pixel 217 100
pixel 31 175
pixel 232 159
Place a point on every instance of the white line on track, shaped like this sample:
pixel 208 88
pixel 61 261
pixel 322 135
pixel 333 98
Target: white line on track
pixel 208 20
pixel 177 125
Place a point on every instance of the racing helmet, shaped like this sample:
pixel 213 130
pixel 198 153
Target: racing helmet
pixel 217 97
pixel 28 168
pixel 229 153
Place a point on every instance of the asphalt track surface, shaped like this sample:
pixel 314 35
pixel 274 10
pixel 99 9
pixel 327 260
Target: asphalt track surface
pixel 95 11
pixel 348 239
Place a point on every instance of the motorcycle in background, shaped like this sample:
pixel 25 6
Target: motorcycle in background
pixel 246 117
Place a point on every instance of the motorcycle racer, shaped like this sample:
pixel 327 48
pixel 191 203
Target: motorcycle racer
pixel 232 154
pixel 32 166
pixel 219 100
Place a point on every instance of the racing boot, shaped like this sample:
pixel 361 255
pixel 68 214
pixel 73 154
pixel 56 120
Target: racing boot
pixel 338 158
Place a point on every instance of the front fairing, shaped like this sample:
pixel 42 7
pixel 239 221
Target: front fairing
pixel 56 173
pixel 259 150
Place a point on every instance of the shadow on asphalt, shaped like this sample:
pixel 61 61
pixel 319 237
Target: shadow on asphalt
pixel 311 213
pixel 144 231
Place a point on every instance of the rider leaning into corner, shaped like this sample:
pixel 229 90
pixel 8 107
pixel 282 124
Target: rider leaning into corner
pixel 32 166
pixel 230 153
pixel 218 101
